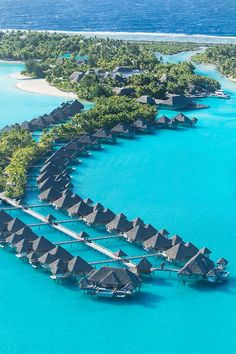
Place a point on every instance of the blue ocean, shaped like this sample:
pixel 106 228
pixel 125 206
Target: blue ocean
pixel 205 17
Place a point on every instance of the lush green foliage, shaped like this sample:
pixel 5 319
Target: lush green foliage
pixel 106 113
pixel 57 56
pixel 223 56
pixel 18 151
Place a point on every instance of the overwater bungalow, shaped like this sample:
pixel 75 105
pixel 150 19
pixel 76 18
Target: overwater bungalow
pixel 175 102
pixel 50 172
pixel 59 165
pixel 23 234
pixel 141 125
pixel 119 224
pixel 40 123
pixel 28 126
pixel 151 230
pixel 74 145
pixel 14 225
pixel 110 282
pixel 163 122
pixel 55 253
pixel 179 253
pixel 99 217
pixel 40 246
pixel 164 232
pixel 183 120
pixel 89 141
pixel 67 154
pixel 66 201
pixel 137 221
pixel 201 267
pixel 123 91
pixel 88 201
pixel 104 135
pixel 175 239
pixel 191 248
pixel 144 266
pixel 98 206
pixel 123 130
pixel 51 183
pixel 58 268
pixel 146 100
pixel 138 234
pixel 157 243
pixel 49 195
pixel 77 267
pixel 205 251
pixel 80 209
pixel 23 248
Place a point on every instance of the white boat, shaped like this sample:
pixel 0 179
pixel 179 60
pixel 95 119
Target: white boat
pixel 221 94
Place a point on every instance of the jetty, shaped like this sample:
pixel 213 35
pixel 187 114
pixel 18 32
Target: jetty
pixel 66 231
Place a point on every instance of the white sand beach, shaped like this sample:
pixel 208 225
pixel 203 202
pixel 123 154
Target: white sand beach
pixel 39 86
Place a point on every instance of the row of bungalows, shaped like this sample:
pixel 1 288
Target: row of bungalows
pixel 179 120
pixel 39 251
pixel 57 116
pixel 61 264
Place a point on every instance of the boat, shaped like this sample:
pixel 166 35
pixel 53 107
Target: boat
pixel 221 94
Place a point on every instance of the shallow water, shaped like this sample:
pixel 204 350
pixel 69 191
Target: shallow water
pixel 182 180
pixel 18 106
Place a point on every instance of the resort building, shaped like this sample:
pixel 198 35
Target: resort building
pixel 111 282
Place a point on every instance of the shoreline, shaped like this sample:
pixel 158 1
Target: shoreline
pixel 40 86
pixel 139 36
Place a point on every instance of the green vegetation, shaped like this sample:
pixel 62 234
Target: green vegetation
pixel 106 113
pixel 57 56
pixel 223 56
pixel 86 66
pixel 18 151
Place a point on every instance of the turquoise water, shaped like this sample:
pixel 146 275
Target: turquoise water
pixel 182 180
pixel 17 105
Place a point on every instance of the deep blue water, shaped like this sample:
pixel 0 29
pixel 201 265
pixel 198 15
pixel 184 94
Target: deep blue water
pixel 170 16
pixel 182 180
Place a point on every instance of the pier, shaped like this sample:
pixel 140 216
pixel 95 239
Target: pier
pixel 68 232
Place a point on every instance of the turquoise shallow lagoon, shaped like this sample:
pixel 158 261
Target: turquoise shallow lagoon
pixel 17 105
pixel 182 180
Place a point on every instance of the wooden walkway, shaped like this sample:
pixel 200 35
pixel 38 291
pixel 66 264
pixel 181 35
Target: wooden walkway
pixel 65 230
pixel 67 242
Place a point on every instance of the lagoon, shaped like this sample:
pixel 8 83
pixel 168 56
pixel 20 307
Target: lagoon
pixel 182 180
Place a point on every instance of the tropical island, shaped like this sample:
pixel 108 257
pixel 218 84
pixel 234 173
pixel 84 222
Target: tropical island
pixel 125 80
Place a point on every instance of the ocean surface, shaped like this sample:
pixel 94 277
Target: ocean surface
pixel 205 17
pixel 181 180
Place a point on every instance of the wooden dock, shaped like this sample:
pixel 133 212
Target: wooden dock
pixel 65 230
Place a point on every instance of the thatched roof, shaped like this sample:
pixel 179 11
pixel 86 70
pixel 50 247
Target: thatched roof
pixel 144 266
pixel 41 245
pixel 49 195
pixel 123 129
pixel 175 239
pixel 104 133
pixel 80 209
pixel 66 201
pixel 79 266
pixel 110 278
pixel 138 234
pixel 100 216
pixel 198 265
pixel 119 224
pixel 158 243
pixel 15 225
pixel 55 253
